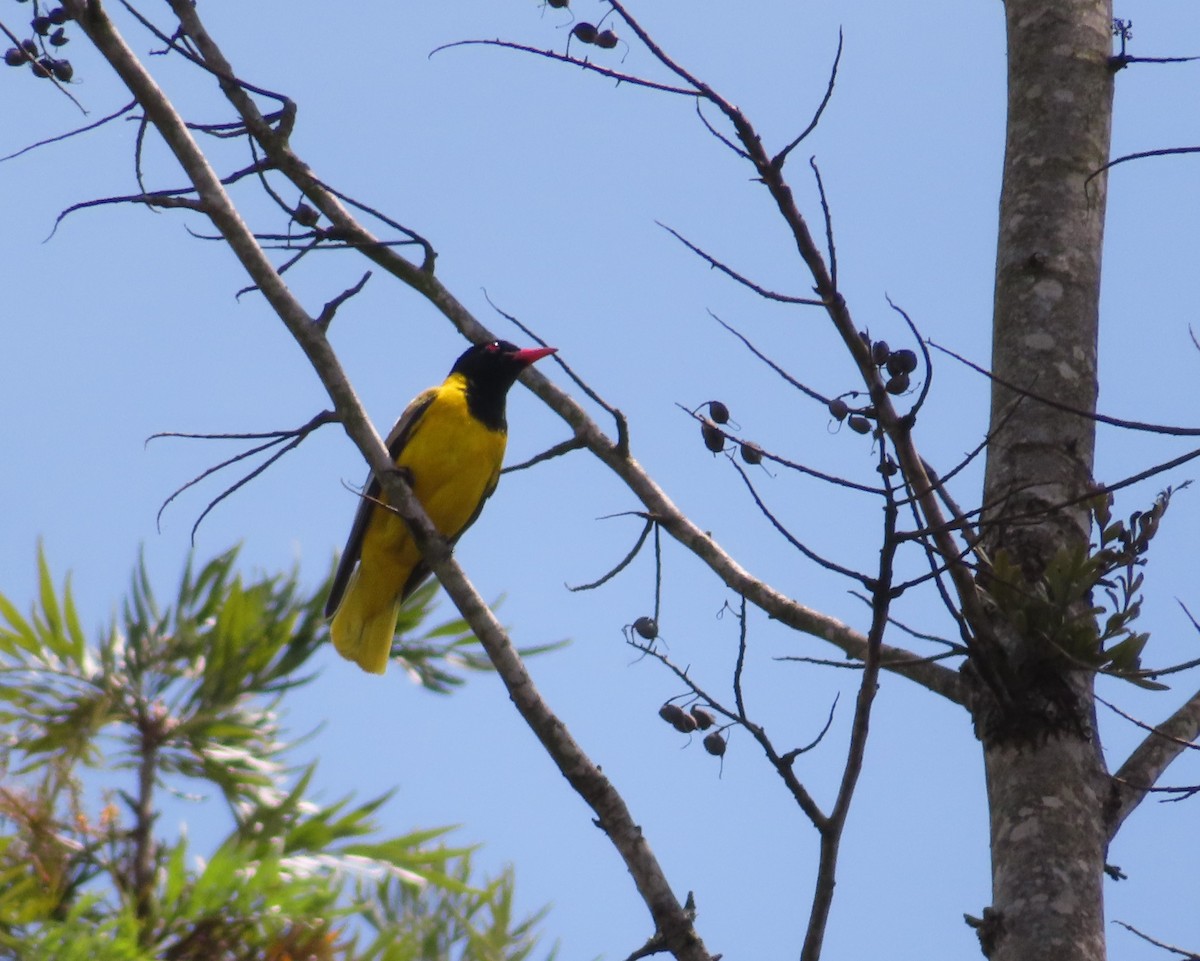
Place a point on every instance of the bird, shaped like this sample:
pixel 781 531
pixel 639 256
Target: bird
pixel 449 444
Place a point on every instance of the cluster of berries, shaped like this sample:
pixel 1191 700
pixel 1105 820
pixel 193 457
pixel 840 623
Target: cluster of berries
pixel 685 722
pixel 49 35
pixel 696 718
pixel 714 437
pixel 591 34
pixel 899 365
pixel 587 33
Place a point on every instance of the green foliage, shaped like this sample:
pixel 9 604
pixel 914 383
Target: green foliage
pixel 481 925
pixel 182 697
pixel 1061 606
pixel 429 658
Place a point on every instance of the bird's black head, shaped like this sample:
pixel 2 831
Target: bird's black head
pixel 490 370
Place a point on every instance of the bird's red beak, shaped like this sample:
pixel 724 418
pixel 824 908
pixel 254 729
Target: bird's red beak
pixel 531 354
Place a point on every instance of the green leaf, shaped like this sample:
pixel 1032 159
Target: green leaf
pixel 53 636
pixel 78 648
pixel 21 634
pixel 1143 682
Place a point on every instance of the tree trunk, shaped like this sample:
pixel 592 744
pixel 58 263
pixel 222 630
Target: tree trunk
pixel 1046 778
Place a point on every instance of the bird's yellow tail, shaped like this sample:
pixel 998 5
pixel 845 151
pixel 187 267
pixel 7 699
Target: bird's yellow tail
pixel 365 624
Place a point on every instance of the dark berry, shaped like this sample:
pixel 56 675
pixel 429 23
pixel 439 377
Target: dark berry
pixel 671 713
pixel 584 32
pixel 751 453
pixel 646 627
pixel 684 723
pixel 678 718
pixel 305 216
pixel 714 440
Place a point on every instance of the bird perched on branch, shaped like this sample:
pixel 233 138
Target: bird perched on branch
pixel 449 442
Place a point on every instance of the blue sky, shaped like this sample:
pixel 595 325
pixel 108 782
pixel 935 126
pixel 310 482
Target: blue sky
pixel 541 185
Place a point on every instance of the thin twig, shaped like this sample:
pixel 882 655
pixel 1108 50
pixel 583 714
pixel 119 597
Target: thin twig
pixel 71 133
pixel 1188 955
pixel 621 565
pixel 619 418
pixel 563 58
pixel 740 278
pixel 778 160
pixel 562 447
pixel 1124 424
pixel 331 308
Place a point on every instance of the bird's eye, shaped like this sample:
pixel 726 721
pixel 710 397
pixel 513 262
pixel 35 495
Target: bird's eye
pixel 493 347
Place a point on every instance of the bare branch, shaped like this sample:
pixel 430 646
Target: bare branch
pixel 812 555
pixel 1138 425
pixel 1149 760
pixel 1181 742
pixel 803 388
pixel 290 439
pixel 778 160
pixel 716 133
pixel 830 247
pixel 783 768
pixel 71 133
pixel 331 308
pixel 912 327
pixel 881 590
pixel 1142 155
pixel 740 278
pixel 563 58
pixel 784 462
pixel 562 447
pixel 1187 955
pixel 622 564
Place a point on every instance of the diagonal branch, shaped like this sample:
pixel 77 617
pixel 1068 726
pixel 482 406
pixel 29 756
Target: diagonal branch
pixel 670 917
pixel 609 452
pixel 1134 779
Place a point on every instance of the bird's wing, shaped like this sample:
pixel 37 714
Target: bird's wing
pixel 487 492
pixel 396 440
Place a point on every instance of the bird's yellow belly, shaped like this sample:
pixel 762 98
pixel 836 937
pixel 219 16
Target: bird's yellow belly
pixel 453 463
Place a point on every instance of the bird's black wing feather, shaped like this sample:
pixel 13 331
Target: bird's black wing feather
pixel 396 440
pixel 422 570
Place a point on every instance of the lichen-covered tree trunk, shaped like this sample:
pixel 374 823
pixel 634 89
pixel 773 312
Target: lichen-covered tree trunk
pixel 1046 777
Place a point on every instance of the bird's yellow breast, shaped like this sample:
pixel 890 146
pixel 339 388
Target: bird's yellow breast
pixel 453 461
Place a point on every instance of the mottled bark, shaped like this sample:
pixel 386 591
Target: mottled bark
pixel 1046 781
pixel 1048 267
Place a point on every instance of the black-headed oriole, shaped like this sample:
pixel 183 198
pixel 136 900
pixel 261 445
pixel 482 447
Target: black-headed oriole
pixel 449 442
